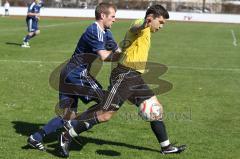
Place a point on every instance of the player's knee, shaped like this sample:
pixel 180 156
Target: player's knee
pixel 66 108
pixel 37 32
pixel 105 116
pixel 30 33
pixel 69 115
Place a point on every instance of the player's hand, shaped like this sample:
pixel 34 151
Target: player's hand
pixel 111 45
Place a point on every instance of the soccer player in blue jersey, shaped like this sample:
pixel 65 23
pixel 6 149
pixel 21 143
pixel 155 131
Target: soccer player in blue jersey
pixel 33 16
pixel 127 83
pixel 75 80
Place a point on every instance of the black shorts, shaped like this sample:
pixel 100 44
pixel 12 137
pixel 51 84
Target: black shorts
pixel 126 84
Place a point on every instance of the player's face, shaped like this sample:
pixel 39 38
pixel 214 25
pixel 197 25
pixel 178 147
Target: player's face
pixel 109 19
pixel 157 23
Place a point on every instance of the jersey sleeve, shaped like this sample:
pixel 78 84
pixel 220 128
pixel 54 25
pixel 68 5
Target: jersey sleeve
pixel 34 8
pixel 136 23
pixel 111 43
pixel 31 8
pixel 95 39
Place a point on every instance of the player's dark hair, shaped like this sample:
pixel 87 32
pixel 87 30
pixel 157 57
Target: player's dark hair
pixel 157 11
pixel 103 8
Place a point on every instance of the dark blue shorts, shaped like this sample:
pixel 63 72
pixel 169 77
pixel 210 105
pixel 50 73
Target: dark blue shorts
pixel 32 24
pixel 76 83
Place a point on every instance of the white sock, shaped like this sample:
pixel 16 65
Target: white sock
pixel 165 143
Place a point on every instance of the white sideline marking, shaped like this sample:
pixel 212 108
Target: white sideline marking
pixel 171 67
pixel 204 68
pixel 41 26
pixel 31 61
pixel 234 38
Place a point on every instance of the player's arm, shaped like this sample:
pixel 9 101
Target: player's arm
pixel 112 46
pixel 136 28
pixel 37 15
pixel 33 14
pixel 107 56
pixel 107 50
pixel 111 51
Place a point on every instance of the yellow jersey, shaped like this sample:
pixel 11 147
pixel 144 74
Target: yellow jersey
pixel 136 48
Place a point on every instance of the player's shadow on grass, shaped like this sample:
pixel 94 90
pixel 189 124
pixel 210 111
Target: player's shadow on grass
pixel 108 152
pixel 26 129
pixel 85 140
pixel 13 43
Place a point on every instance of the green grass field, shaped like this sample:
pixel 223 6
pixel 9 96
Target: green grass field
pixel 202 110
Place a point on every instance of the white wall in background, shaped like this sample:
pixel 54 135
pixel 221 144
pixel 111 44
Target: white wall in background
pixel 128 14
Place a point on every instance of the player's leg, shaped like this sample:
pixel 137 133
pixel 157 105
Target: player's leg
pixel 30 33
pixel 35 29
pixel 6 12
pixel 88 89
pixel 65 139
pixel 33 34
pixel 66 110
pixel 119 91
pixel 96 114
pixel 141 93
pixel 68 104
pixel 93 116
pixel 159 129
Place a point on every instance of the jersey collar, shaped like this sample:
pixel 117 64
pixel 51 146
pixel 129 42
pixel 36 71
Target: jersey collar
pixel 100 27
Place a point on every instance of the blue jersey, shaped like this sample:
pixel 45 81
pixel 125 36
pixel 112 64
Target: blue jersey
pixel 75 79
pixel 91 41
pixel 33 8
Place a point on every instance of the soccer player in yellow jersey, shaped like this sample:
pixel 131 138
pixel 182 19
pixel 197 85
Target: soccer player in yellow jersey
pixel 136 43
pixel 126 83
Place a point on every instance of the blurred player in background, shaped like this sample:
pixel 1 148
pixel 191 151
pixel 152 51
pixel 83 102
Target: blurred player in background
pixel 128 84
pixel 6 7
pixel 33 16
pixel 75 80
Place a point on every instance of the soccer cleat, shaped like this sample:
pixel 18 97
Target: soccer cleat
pixel 25 45
pixel 171 149
pixel 35 144
pixel 64 141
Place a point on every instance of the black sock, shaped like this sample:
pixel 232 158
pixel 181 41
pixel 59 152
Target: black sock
pixel 85 122
pixel 159 130
pixel 34 34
